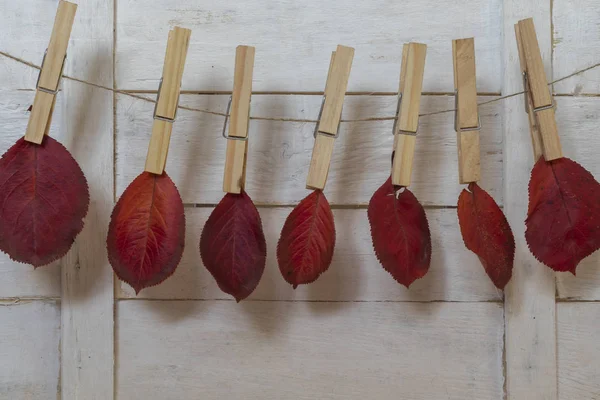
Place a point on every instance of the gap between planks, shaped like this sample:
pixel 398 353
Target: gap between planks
pixel 300 93
pixel 361 206
pixel 498 301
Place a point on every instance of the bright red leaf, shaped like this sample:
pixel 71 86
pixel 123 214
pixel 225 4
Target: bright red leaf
pixel 486 233
pixel 305 248
pixel 44 198
pixel 146 234
pixel 400 233
pixel 563 220
pixel 233 247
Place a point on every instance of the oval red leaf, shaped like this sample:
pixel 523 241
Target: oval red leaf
pixel 400 233
pixel 44 197
pixel 305 247
pixel 486 233
pixel 563 220
pixel 146 234
pixel 233 247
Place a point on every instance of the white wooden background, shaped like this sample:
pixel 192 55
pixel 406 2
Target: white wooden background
pixel 66 331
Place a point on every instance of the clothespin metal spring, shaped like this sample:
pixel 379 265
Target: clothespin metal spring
pixel 226 135
pixel 62 68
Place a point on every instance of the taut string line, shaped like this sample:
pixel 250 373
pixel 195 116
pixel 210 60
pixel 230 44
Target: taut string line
pixel 391 118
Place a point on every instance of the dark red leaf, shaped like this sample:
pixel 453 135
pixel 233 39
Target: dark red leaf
pixel 486 233
pixel 305 248
pixel 146 234
pixel 563 220
pixel 44 198
pixel 400 233
pixel 232 245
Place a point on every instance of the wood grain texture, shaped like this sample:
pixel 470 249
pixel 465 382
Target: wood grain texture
pixel 29 350
pixel 576 42
pixel 412 86
pixel 355 274
pixel 467 113
pixel 87 279
pixel 529 302
pixel 301 351
pixel 172 73
pixel 293 39
pixel 578 351
pixel 404 156
pixel 463 57
pixel 20 280
pixel 280 152
pixel 158 148
pixel 50 74
pixel 542 122
pixel 237 150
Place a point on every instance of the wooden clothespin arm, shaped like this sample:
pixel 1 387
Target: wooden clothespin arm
pixel 50 74
pixel 538 99
pixel 167 100
pixel 330 116
pixel 237 140
pixel 467 123
pixel 405 129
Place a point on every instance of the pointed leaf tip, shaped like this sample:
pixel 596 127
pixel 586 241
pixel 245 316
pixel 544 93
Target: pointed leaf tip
pixel 44 197
pixel 563 219
pixel 233 247
pixel 400 233
pixel 305 247
pixel 146 234
pixel 486 232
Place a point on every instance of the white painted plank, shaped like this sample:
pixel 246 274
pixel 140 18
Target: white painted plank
pixel 294 41
pixel 29 344
pixel 578 119
pixel 20 280
pixel 576 45
pixel 290 350
pixel 529 297
pixel 578 350
pixel 87 279
pixel 280 152
pixel 26 28
pixel 355 274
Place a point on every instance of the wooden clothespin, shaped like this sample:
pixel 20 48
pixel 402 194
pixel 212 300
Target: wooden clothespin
pixel 329 117
pixel 538 99
pixel 50 74
pixel 234 178
pixel 409 102
pixel 167 100
pixel 466 123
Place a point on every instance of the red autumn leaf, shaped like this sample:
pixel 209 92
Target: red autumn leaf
pixel 44 197
pixel 305 248
pixel 486 233
pixel 146 234
pixel 233 247
pixel 400 233
pixel 563 220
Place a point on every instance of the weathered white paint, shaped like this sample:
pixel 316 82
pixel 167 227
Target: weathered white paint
pixel 87 279
pixel 355 274
pixel 279 152
pixel 578 350
pixel 25 27
pixel 296 350
pixel 576 44
pixel 29 350
pixel 529 297
pixel 294 41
